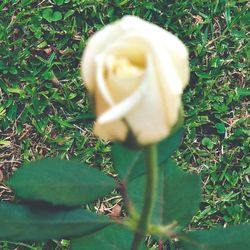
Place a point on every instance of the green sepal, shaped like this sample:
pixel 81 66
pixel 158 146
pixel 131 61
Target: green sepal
pixel 178 196
pixel 129 163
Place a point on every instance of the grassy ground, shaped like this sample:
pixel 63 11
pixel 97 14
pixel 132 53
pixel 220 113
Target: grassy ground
pixel 44 110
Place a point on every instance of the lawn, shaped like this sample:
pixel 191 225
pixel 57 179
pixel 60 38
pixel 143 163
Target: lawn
pixel 44 109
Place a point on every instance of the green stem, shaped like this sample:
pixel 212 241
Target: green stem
pixel 149 195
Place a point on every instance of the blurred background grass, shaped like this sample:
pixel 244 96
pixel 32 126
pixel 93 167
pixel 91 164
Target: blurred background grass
pixel 44 110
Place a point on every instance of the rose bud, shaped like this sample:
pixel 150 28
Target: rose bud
pixel 136 73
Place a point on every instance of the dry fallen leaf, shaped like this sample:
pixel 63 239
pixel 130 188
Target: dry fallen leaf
pixel 115 211
pixel 55 81
pixel 1 175
pixel 48 50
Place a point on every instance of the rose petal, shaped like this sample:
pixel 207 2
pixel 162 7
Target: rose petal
pixel 165 40
pixel 169 84
pixel 125 65
pixel 109 92
pixel 101 83
pixel 119 110
pixel 178 54
pixel 95 46
pixel 147 119
pixel 132 51
pixel 101 105
pixel 114 131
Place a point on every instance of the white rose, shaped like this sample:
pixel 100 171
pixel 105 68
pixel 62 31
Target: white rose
pixel 136 72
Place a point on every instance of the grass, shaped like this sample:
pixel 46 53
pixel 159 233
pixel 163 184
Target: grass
pixel 44 110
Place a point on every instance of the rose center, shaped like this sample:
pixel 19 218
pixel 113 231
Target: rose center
pixel 123 68
pixel 122 76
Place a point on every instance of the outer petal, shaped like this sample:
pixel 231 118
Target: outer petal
pixel 101 105
pixel 114 131
pixel 94 46
pixel 174 47
pixel 147 119
pixel 111 130
pixel 169 83
pixel 101 84
pixel 119 110
pixel 178 54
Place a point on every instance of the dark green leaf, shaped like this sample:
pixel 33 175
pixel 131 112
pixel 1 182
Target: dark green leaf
pixel 60 182
pixel 111 238
pixel 19 222
pixel 129 164
pixel 230 238
pixel 178 196
pixel 168 146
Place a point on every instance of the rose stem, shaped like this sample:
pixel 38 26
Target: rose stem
pixel 149 195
